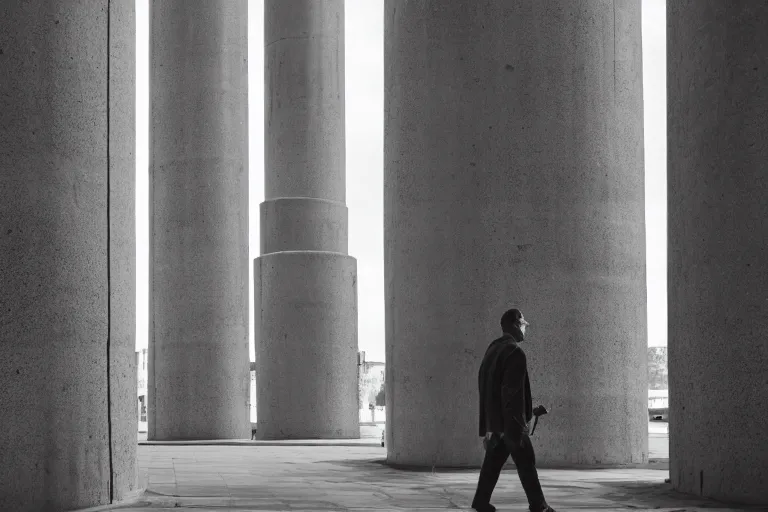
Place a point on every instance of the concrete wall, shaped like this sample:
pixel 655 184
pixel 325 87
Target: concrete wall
pixel 718 257
pixel 513 175
pixel 198 340
pixel 67 252
pixel 305 284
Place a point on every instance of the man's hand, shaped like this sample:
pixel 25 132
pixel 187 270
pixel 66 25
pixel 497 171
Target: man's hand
pixel 490 441
pixel 516 437
pixel 539 410
pixel 518 441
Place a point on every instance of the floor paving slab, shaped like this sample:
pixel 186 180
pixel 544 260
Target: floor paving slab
pixel 288 477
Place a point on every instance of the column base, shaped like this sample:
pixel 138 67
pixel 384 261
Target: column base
pixel 305 314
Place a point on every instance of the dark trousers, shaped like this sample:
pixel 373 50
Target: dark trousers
pixel 496 453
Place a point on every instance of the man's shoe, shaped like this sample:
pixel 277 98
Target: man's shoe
pixel 543 508
pixel 484 508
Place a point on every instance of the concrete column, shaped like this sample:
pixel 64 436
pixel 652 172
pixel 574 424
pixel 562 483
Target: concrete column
pixel 305 284
pixel 198 343
pixel 513 154
pixel 67 253
pixel 718 257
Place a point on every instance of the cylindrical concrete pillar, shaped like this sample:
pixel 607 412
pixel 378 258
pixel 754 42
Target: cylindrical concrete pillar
pixel 198 344
pixel 67 253
pixel 718 257
pixel 513 176
pixel 305 284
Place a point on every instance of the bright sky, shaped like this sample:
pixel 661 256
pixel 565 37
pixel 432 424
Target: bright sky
pixel 365 136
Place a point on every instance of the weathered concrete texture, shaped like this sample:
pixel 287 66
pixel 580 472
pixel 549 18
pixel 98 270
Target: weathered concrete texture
pixel 306 345
pixel 304 99
pixel 198 363
pixel 718 258
pixel 67 250
pixel 305 284
pixel 303 223
pixel 122 246
pixel 514 176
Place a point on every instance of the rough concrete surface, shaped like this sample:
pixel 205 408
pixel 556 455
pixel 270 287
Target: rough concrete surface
pixel 303 224
pixel 67 249
pixel 304 149
pixel 718 258
pixel 198 340
pixel 305 305
pixel 305 284
pixel 122 243
pixel 513 176
pixel 356 479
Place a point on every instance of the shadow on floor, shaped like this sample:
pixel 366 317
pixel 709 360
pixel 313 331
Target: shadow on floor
pixel 661 495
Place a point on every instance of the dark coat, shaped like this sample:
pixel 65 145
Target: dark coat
pixel 505 391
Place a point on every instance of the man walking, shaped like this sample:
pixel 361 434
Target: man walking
pixel 505 410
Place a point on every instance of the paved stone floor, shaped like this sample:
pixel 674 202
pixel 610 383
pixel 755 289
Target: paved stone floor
pixel 658 438
pixel 353 478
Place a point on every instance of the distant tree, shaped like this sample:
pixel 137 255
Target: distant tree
pixel 657 368
pixel 372 395
pixel 380 398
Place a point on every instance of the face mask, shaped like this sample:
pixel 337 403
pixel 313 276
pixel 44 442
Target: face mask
pixel 522 328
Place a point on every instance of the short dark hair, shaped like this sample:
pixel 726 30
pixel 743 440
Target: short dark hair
pixel 510 318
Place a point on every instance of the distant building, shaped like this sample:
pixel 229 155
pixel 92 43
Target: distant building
pixel 252 402
pixel 141 391
pixel 370 386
